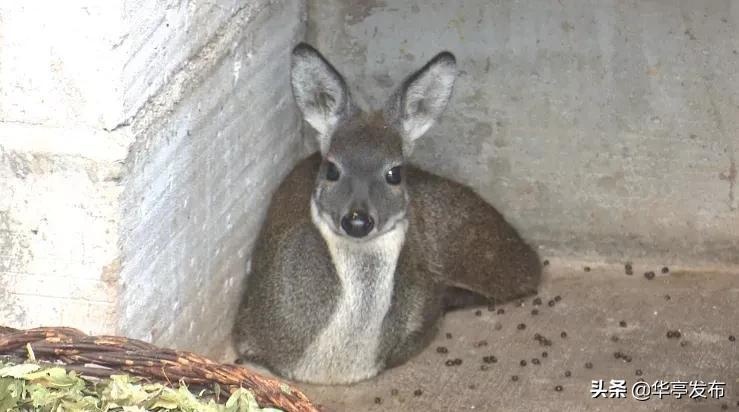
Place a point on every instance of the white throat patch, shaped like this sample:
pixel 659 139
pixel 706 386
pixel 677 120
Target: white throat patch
pixel 346 349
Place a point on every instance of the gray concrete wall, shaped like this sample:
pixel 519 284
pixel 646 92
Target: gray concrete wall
pixel 212 143
pixel 602 129
pixel 137 156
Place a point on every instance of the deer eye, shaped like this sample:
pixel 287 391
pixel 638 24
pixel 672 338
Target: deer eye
pixel 393 176
pixel 332 172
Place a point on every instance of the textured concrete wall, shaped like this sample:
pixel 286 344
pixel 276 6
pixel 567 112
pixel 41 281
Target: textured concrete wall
pixel 602 129
pixel 212 143
pixel 137 155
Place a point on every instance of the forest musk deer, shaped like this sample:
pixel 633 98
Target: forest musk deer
pixel 362 253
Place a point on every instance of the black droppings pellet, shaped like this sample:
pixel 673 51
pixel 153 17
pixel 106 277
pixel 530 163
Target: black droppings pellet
pixel 568 374
pixel 558 388
pixel 677 334
pixel 732 338
pixel 457 361
pixel 545 342
pixel 544 354
pixel 449 362
pixel 417 392
pixel 537 336
pixel 665 269
pixel 491 308
pixel 563 334
pixel 551 302
pixel 537 301
pixel 521 326
pixel 484 367
pixel 498 326
pixel 684 343
pixel 545 262
pixel 586 268
pixel 535 361
pixel 627 358
pixel 667 297
pixel 489 359
pixel 614 338
pixel 239 361
pixel 649 275
pixel 639 372
pixel 534 312
pixel 442 349
pixel 628 269
pixel 394 392
pixel 588 365
pixel 478 313
pixel 378 400
pixel 523 362
pixel 472 386
pixel 481 343
pixel 622 324
pixel 448 335
pixel 618 355
pixel 501 311
pixel 557 298
pixel 514 378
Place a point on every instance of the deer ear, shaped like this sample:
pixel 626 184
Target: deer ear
pixel 422 97
pixel 320 92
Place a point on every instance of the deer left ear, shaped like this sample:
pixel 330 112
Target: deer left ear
pixel 422 97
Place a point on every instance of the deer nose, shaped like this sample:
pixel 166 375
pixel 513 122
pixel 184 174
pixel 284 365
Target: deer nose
pixel 357 223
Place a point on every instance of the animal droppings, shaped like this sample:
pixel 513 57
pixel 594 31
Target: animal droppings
pixel 448 335
pixel 588 365
pixel 568 374
pixel 489 359
pixel 732 338
pixel 665 269
pixel 535 361
pixel 534 312
pixel 521 326
pixel 586 268
pixel 537 301
pixel 478 313
pixel 557 298
pixel 378 400
pixel 649 275
pixel 417 392
pixel 501 311
pixel 558 388
pixel 563 334
pixel 544 354
pixel 551 303
pixel 622 324
pixel 442 349
pixel 514 378
pixel 546 262
pixel 523 362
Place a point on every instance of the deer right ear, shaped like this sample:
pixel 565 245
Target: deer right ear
pixel 320 92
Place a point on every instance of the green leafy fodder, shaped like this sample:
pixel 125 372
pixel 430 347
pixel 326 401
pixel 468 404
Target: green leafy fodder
pixel 33 387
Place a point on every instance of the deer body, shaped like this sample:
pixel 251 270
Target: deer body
pixel 361 253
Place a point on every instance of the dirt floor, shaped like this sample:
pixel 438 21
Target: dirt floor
pixel 604 325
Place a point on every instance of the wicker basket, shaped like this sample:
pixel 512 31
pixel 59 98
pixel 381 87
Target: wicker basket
pixel 102 356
